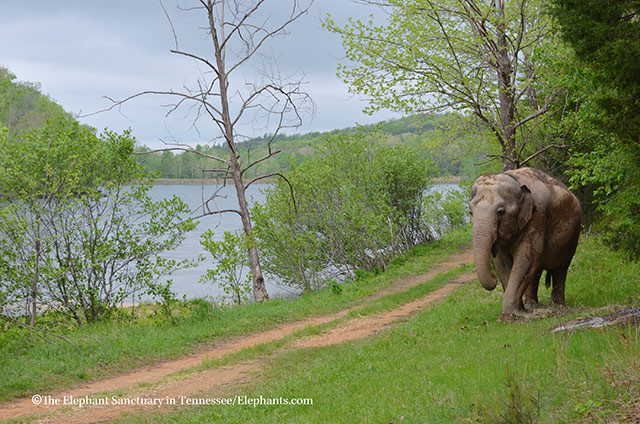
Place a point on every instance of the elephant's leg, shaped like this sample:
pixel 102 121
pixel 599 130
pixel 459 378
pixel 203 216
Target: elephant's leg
pixel 531 293
pixel 526 264
pixel 518 281
pixel 558 277
pixel 503 263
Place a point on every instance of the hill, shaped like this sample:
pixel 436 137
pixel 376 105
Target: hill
pixel 22 104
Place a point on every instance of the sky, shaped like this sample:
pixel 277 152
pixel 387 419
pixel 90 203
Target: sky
pixel 83 50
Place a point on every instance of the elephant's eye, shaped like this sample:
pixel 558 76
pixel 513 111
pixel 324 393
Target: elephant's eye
pixel 500 211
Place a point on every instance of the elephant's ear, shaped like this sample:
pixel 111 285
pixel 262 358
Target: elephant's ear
pixel 526 207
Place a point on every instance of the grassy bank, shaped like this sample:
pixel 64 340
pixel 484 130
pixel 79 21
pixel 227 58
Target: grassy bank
pixel 455 363
pixel 36 365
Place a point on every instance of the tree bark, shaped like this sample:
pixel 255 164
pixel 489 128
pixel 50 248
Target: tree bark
pixel 506 95
pixel 259 289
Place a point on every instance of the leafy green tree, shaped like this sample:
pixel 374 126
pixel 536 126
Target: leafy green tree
pixel 77 235
pixel 473 56
pixel 606 39
pixel 38 174
pixel 232 272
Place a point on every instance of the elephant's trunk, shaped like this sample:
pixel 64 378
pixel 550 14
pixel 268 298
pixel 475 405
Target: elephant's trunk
pixel 484 236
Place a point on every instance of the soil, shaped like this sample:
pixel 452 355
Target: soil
pixel 160 380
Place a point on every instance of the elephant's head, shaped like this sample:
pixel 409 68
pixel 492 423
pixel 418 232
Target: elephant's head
pixel 501 208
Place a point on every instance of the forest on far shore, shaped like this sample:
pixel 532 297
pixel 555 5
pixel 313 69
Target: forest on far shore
pixel 443 139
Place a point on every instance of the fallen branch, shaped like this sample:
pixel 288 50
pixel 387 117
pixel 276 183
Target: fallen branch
pixel 627 316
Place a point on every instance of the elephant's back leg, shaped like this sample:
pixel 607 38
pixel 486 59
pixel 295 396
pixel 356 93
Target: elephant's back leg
pixel 558 278
pixel 531 293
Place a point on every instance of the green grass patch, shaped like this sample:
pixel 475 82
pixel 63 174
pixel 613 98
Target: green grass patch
pixel 36 365
pixel 455 362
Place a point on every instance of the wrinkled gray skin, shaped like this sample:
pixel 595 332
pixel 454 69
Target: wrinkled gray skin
pixel 529 222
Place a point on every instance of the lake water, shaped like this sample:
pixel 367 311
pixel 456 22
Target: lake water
pixel 185 282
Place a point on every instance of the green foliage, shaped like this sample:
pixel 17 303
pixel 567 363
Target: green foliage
pixel 450 55
pixel 606 35
pixel 166 299
pixel 357 205
pixel 78 236
pixel 446 211
pixel 22 105
pixel 605 165
pixel 232 270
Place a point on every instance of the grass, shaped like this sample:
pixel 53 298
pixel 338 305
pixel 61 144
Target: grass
pixel 34 365
pixel 455 363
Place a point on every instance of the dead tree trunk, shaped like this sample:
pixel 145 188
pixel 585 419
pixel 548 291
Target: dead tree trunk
pixel 238 29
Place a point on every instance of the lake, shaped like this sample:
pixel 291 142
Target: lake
pixel 185 282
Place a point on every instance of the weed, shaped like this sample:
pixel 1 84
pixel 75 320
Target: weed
pixel 336 288
pixel 521 402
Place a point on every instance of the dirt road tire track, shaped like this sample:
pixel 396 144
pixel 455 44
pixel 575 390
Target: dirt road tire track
pixel 212 379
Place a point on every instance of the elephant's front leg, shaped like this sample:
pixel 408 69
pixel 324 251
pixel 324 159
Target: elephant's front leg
pixel 522 274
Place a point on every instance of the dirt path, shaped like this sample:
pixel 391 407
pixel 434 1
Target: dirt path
pixel 152 382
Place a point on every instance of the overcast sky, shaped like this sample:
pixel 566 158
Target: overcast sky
pixel 82 50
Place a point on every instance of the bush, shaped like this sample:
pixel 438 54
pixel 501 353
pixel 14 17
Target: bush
pixel 446 211
pixel 79 231
pixel 357 205
pixel 232 270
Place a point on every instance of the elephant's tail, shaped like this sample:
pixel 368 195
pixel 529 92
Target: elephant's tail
pixel 547 279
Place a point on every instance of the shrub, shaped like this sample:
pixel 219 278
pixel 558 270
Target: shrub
pixel 232 270
pixel 79 231
pixel 357 205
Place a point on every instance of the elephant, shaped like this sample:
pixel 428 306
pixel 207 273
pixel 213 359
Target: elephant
pixel 529 222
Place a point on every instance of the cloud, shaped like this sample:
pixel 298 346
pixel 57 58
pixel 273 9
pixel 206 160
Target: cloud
pixel 82 51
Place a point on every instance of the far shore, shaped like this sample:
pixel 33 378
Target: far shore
pixel 448 180
pixel 179 181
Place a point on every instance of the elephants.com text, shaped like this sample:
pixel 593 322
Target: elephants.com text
pixel 239 400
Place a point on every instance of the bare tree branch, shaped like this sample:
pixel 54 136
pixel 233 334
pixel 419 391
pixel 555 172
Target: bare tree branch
pixel 277 174
pixel 541 151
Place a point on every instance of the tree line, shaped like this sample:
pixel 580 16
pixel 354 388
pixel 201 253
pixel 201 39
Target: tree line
pixel 456 157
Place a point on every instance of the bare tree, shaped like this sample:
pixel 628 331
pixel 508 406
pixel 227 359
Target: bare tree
pixel 237 32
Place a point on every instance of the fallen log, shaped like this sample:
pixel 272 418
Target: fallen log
pixel 627 316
